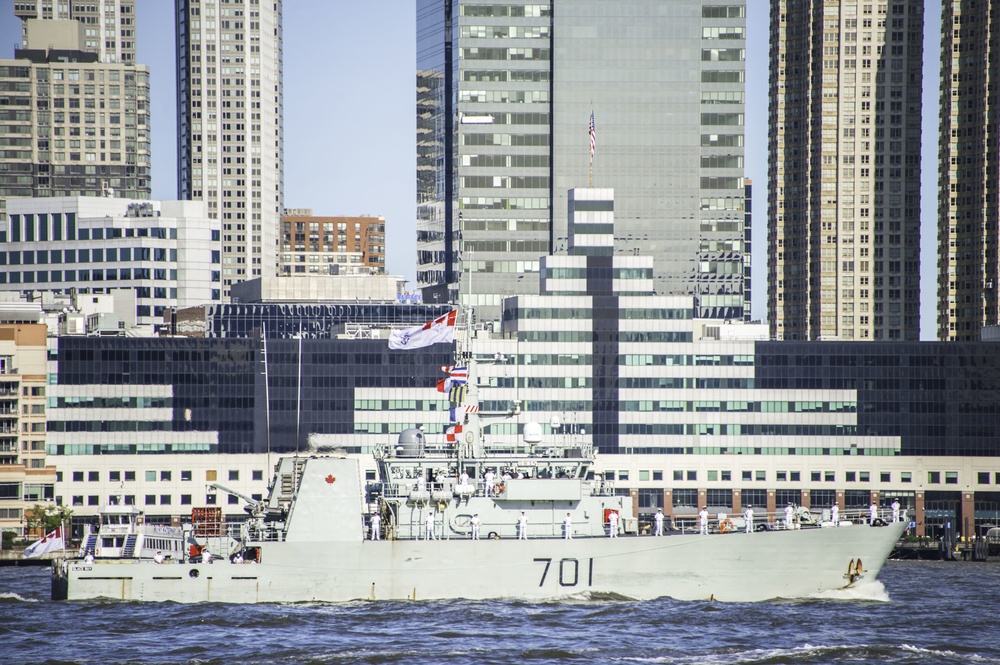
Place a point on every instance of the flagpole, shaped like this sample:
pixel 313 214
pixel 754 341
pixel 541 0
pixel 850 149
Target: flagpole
pixel 593 144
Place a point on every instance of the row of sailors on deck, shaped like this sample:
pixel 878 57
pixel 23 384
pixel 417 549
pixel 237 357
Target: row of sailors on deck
pixel 614 521
pixel 491 479
pixel 430 531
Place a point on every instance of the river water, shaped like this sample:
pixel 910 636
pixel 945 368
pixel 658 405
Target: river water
pixel 918 612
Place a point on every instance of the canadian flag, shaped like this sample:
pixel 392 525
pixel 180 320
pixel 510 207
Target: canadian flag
pixel 52 541
pixel 441 329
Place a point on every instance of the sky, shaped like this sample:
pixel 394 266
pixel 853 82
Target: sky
pixel 349 77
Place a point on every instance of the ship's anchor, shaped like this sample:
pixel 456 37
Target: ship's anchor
pixel 855 570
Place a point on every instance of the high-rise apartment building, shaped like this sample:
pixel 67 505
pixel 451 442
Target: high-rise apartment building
pixel 108 25
pixel 229 101
pixel 312 245
pixel 71 125
pixel 505 98
pixel 844 169
pixel 968 177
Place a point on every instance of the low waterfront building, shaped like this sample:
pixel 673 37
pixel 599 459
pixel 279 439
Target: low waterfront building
pixel 26 480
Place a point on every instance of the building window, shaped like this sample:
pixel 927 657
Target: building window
pixel 828 476
pixel 623 475
pixel 727 476
pixel 150 476
pixel 713 476
pixel 761 475
pixel 851 476
pixel 885 477
pixel 796 476
pixel 259 475
pixel 233 500
pixel 93 500
pixel 815 476
pixel 115 476
pixel 234 475
pixel 748 475
pixel 78 476
pixel 185 499
pixel 865 476
pixel 185 475
pixel 77 500
pixel 164 499
pixel 905 477
pixel 657 475
pixel 150 499
pixel 210 499
pixel 129 476
pixel 934 477
pixel 164 475
pixel 93 476
pixel 951 477
pixel 781 476
pixel 650 499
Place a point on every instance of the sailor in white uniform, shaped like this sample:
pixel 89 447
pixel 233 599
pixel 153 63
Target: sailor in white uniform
pixel 748 517
pixel 872 513
pixel 658 521
pixel 430 535
pixel 835 514
pixel 421 481
pixel 703 521
pixel 488 478
pixel 376 522
pixel 895 510
pixel 568 527
pixel 475 526
pixel 90 557
pixel 463 479
pixel 613 524
pixel 158 557
pixel 522 526
pixel 789 512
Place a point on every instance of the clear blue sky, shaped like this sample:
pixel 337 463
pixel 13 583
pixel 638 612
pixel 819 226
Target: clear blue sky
pixel 349 123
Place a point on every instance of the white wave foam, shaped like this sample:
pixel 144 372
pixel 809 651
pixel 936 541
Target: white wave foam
pixel 937 653
pixel 804 652
pixel 10 595
pixel 873 590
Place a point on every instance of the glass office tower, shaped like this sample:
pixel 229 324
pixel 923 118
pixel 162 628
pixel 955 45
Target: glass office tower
pixel 505 96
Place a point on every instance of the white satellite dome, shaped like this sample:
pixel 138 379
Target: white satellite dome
pixel 532 433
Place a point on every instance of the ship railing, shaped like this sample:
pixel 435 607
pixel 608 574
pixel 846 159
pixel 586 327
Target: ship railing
pixel 687 520
pixel 161 530
pixel 253 533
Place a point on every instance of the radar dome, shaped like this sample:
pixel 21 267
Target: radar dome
pixel 411 443
pixel 532 433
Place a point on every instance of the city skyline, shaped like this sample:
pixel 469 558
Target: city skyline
pixel 373 131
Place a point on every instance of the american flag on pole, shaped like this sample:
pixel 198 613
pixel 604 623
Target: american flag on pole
pixel 593 135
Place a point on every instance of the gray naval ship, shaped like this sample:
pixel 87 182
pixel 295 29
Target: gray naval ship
pixel 447 520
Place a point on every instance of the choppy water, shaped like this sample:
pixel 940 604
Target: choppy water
pixel 918 613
